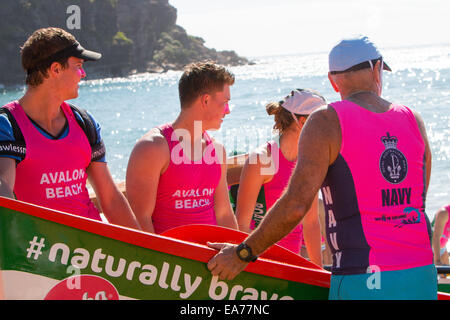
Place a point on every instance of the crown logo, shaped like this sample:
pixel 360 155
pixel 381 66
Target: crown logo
pixel 390 142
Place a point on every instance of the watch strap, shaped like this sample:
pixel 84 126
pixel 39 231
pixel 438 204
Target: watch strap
pixel 244 252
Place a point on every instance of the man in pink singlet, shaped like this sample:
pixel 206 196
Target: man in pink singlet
pixel 176 173
pixel 47 156
pixel 371 160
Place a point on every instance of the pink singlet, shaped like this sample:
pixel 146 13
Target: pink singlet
pixel 186 190
pixel 53 173
pixel 374 192
pixel 273 190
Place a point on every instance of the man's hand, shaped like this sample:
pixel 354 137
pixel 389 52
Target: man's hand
pixel 225 264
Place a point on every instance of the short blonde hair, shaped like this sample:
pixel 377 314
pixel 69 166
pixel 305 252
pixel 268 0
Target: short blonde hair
pixel 202 77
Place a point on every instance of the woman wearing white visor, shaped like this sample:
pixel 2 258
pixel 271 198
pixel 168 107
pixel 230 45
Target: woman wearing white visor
pixel 267 171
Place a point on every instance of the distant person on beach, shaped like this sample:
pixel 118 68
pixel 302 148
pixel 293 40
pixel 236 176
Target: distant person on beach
pixel 372 162
pixel 176 173
pixel 441 234
pixel 269 169
pixel 50 148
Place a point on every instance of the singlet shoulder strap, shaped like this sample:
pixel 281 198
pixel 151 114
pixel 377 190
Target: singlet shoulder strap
pixel 207 138
pixel 273 146
pixel 269 148
pixel 88 126
pixel 167 131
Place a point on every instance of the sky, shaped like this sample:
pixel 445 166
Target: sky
pixel 255 28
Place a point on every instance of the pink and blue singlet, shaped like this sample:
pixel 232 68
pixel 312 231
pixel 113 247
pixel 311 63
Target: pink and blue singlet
pixel 374 193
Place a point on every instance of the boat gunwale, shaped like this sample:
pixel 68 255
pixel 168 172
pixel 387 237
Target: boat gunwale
pixel 168 245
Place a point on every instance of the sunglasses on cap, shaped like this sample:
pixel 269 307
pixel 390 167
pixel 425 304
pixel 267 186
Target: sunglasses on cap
pixel 364 65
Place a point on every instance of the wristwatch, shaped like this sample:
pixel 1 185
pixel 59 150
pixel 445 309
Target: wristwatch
pixel 244 252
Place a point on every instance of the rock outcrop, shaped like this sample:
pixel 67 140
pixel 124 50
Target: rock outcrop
pixel 132 35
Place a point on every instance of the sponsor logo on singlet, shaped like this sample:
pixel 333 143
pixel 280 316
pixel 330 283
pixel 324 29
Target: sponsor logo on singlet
pixel 409 216
pixel 393 164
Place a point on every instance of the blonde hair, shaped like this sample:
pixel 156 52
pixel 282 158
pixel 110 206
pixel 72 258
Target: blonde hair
pixel 202 77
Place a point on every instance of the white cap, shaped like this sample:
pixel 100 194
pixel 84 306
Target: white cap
pixel 303 101
pixel 356 53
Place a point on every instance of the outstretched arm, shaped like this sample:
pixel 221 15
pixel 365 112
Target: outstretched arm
pixel 222 206
pixel 249 186
pixel 7 177
pixel 113 203
pixel 312 235
pixel 319 146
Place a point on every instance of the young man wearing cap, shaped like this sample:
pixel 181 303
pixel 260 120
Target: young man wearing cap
pixel 372 161
pixel 185 181
pixel 46 156
pixel 268 169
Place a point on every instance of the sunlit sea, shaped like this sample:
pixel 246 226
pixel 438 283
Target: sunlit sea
pixel 128 107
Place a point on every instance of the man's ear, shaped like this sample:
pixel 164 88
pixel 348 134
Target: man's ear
pixel 54 69
pixel 333 83
pixel 377 71
pixel 204 99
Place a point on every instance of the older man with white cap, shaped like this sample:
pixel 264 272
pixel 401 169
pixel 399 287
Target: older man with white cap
pixel 372 162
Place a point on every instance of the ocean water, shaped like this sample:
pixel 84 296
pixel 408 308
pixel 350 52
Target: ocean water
pixel 128 107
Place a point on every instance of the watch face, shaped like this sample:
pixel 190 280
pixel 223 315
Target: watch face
pixel 244 253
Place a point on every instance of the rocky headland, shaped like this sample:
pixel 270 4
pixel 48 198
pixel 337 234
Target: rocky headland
pixel 133 36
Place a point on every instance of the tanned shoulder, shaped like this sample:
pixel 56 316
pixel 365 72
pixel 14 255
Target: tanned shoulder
pixel 152 149
pixel 323 127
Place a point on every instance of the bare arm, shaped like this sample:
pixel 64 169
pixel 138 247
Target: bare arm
pixel 319 146
pixel 114 205
pixel 149 158
pixel 249 185
pixel 222 206
pixel 311 233
pixel 439 224
pixel 7 177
